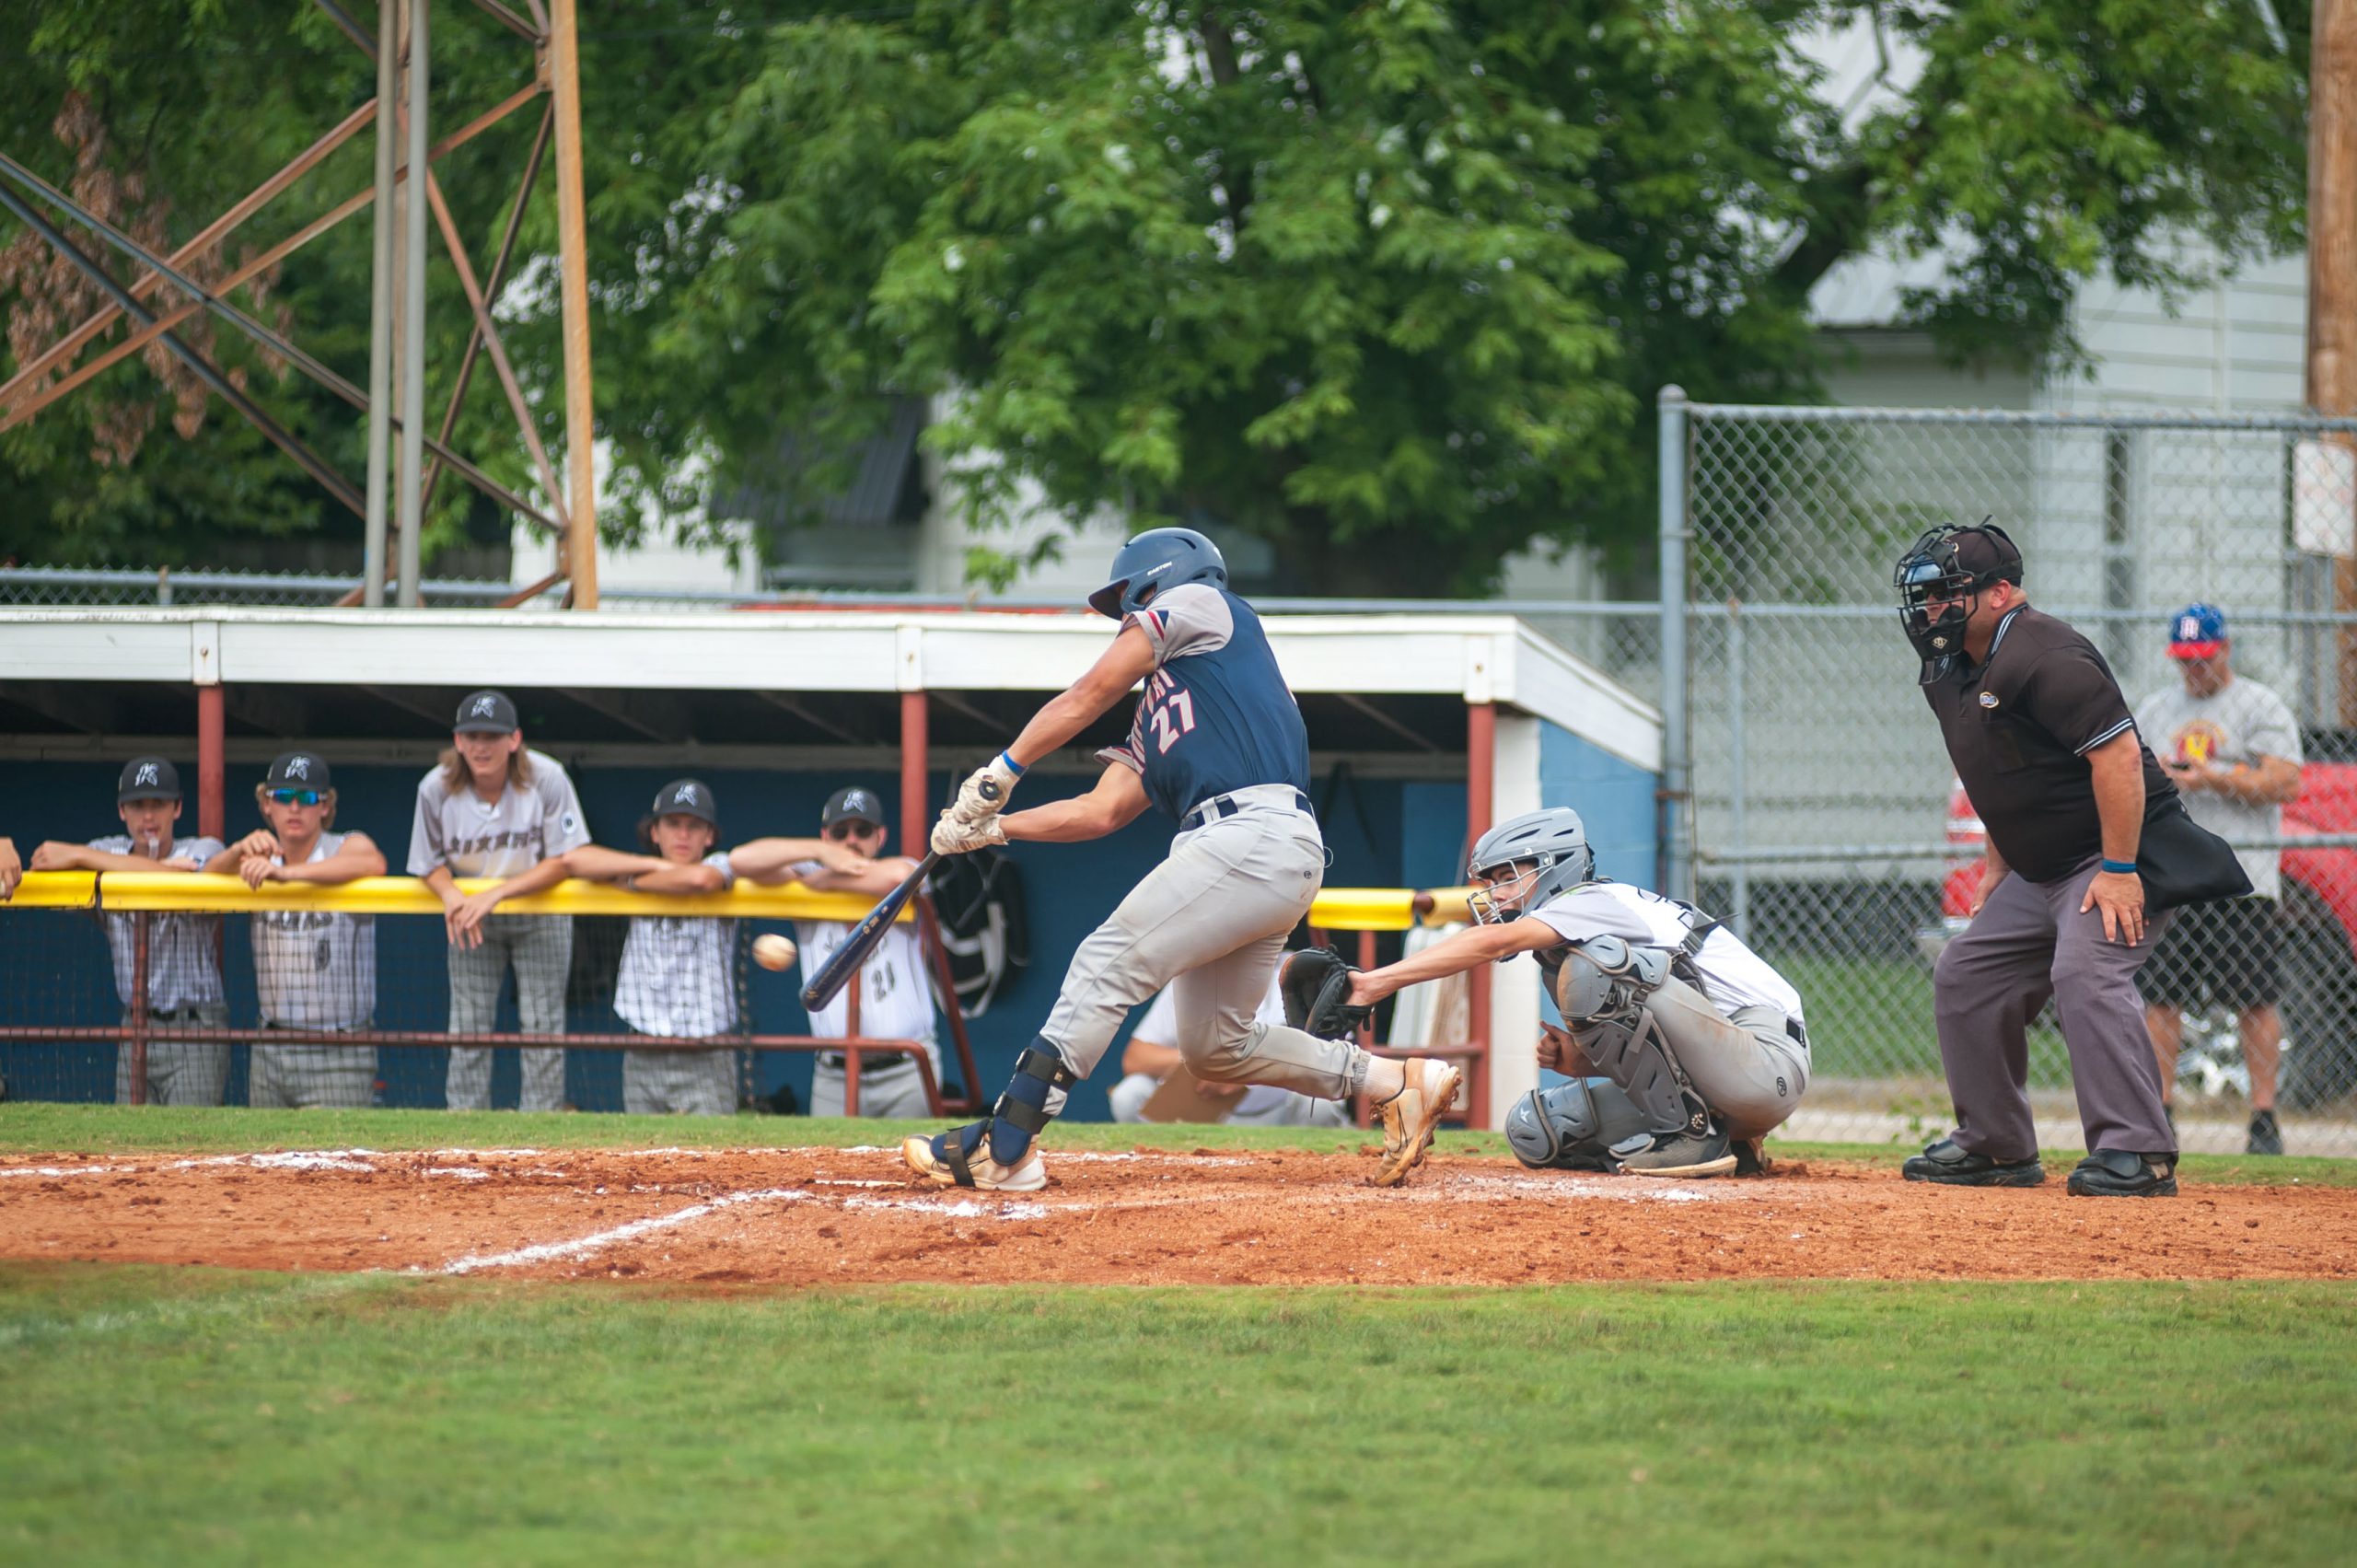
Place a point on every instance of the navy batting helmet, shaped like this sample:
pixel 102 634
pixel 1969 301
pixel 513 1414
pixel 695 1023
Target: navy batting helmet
pixel 1155 560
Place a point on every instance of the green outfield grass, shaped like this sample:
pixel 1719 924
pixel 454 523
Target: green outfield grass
pixel 30 1127
pixel 195 1415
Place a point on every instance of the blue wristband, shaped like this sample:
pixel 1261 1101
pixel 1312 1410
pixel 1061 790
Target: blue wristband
pixel 1011 765
pixel 2121 867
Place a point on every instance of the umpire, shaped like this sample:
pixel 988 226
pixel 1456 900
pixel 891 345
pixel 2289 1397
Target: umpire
pixel 2052 764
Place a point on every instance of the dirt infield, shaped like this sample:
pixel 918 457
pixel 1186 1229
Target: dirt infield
pixel 808 1216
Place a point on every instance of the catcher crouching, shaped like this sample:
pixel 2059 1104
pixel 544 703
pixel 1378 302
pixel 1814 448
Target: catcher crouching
pixel 1684 1047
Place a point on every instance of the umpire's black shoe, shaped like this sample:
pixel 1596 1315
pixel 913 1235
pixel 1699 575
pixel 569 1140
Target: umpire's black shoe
pixel 2266 1138
pixel 1950 1164
pixel 2122 1173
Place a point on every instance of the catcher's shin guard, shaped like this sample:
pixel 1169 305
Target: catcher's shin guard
pixel 1602 989
pixel 1002 1139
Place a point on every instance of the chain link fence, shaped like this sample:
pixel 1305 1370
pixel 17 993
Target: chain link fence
pixel 1825 820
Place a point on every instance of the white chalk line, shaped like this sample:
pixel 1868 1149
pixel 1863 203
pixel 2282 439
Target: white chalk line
pixel 551 1252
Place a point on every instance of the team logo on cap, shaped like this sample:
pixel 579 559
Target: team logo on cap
pixel 147 775
pixel 481 707
pixel 299 767
pixel 2189 629
pixel 687 794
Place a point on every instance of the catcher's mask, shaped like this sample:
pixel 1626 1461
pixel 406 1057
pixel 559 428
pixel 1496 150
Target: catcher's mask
pixel 1939 582
pixel 1525 861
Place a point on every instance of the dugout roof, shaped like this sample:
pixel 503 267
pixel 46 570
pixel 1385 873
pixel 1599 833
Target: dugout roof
pixel 1387 690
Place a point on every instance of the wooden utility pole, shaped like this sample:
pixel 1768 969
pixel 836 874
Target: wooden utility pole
pixel 2333 209
pixel 2332 267
pixel 573 265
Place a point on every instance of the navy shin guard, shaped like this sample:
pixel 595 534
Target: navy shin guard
pixel 1021 1113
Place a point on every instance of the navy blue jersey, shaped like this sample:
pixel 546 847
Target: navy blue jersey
pixel 1216 715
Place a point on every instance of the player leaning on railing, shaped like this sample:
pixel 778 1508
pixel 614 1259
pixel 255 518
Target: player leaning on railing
pixel 495 809
pixel 1218 744
pixel 313 969
pixel 184 950
pixel 678 975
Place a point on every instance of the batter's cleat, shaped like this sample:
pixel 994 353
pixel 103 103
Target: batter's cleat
pixel 2122 1173
pixel 960 1157
pixel 1411 1117
pixel 2266 1138
pixel 1681 1153
pixel 1950 1164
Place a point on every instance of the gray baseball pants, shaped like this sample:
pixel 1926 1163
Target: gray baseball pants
pixel 1746 1064
pixel 1212 919
pixel 180 1072
pixel 306 1077
pixel 888 1086
pixel 679 1083
pixel 540 946
pixel 2029 943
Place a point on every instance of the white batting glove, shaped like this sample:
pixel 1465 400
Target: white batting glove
pixel 952 837
pixel 983 795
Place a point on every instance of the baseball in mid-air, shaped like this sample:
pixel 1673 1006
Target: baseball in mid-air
pixel 774 952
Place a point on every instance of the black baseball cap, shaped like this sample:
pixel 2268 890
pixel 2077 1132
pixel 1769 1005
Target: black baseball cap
pixel 853 803
pixel 487 713
pixel 147 778
pixel 1988 552
pixel 297 769
pixel 688 797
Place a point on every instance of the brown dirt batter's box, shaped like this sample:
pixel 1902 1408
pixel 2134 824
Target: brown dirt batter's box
pixel 808 1216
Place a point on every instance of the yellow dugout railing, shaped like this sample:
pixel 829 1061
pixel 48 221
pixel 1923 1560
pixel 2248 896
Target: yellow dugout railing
pixel 1337 909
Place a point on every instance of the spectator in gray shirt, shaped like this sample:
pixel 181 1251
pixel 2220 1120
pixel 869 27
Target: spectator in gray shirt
pixel 2234 750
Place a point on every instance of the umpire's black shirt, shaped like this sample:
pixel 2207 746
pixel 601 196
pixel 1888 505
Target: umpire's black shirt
pixel 2019 726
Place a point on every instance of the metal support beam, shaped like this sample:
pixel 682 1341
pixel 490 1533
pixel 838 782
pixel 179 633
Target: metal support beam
pixel 31 402
pixel 213 302
pixel 210 763
pixel 572 267
pixel 313 464
pixel 36 369
pixel 380 307
pixel 411 474
pixel 916 800
pixel 823 726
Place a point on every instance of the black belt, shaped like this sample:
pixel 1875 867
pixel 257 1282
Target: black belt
pixel 870 1063
pixel 1793 1028
pixel 1221 805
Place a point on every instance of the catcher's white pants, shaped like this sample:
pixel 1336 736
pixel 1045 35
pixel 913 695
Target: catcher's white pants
pixel 1211 921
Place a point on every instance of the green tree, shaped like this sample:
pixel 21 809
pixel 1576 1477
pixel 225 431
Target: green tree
pixel 1391 284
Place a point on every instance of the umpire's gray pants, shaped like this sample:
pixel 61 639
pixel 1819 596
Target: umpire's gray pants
pixel 679 1083
pixel 540 946
pixel 1211 920
pixel 2030 942
pixel 180 1072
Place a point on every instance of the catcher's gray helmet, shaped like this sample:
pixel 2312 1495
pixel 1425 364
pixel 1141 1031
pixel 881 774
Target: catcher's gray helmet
pixel 1552 839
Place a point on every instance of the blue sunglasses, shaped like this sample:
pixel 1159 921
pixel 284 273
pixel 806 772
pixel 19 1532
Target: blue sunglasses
pixel 297 796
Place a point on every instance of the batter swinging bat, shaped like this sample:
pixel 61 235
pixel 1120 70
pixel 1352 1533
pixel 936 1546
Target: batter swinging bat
pixel 841 964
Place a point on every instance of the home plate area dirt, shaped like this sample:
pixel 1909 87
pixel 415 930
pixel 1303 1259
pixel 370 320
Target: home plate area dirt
pixel 817 1216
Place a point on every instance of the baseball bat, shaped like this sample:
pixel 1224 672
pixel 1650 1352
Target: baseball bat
pixel 836 973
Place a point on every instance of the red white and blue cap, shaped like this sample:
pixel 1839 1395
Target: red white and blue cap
pixel 2198 631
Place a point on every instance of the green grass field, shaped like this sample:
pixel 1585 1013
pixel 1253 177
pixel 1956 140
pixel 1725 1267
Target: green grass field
pixel 199 1415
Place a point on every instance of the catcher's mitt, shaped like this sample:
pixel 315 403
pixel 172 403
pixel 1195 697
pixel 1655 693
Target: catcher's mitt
pixel 1315 984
